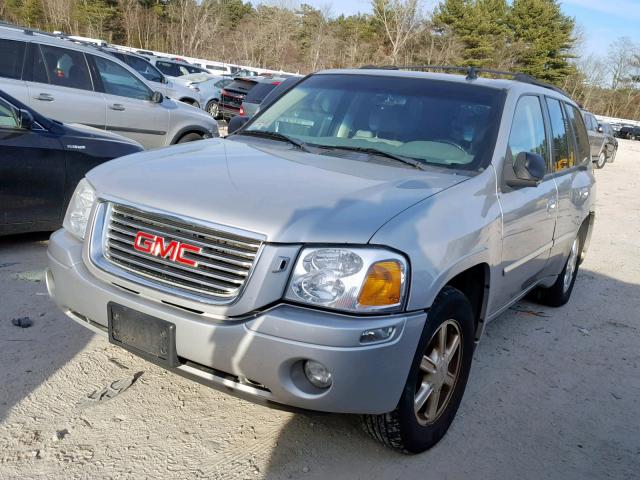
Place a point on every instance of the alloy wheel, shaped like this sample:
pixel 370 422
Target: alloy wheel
pixel 572 263
pixel 602 159
pixel 213 109
pixel 439 371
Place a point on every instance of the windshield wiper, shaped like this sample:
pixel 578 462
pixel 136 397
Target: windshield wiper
pixel 374 151
pixel 274 136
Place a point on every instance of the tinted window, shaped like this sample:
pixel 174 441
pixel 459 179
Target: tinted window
pixel 242 86
pixel 38 68
pixel 168 68
pixel 66 68
pixel 11 58
pixel 439 123
pixel 7 116
pixel 144 68
pixel 116 80
pixel 582 138
pixel 257 93
pixel 527 131
pixel 563 155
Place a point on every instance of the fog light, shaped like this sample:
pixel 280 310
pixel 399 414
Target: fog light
pixel 317 374
pixel 376 334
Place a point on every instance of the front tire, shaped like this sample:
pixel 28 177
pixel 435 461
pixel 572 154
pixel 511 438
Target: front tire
pixel 602 160
pixel 436 381
pixel 190 137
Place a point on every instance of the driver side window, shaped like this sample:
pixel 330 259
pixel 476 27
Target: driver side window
pixel 527 129
pixel 8 118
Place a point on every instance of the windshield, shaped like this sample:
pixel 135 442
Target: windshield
pixel 440 123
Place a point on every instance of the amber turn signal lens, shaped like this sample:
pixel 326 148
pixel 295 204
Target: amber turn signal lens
pixel 383 285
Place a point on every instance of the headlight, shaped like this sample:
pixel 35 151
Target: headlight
pixel 351 279
pixel 79 209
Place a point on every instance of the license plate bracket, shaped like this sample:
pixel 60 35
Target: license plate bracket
pixel 149 337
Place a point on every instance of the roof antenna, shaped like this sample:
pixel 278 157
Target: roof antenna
pixel 472 74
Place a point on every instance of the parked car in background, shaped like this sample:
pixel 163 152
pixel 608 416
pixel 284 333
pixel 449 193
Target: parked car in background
pixel 173 68
pixel 310 259
pixel 42 161
pixel 598 140
pixel 251 102
pixel 629 132
pixel 610 141
pixel 157 80
pixel 80 84
pixel 209 88
pixel 233 95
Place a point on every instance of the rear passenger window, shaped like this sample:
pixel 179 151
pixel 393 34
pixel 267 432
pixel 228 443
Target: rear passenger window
pixel 66 68
pixel 11 58
pixel 582 138
pixel 563 154
pixel 527 131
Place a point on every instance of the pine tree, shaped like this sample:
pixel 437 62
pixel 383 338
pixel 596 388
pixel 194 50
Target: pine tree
pixel 546 35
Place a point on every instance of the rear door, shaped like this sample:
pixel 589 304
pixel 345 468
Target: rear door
pixel 11 66
pixel 60 86
pixel 573 173
pixel 32 172
pixel 130 110
pixel 529 213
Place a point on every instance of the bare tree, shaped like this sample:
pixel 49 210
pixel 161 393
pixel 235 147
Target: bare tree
pixel 401 20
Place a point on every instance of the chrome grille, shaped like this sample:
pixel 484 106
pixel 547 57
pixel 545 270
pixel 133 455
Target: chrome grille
pixel 223 264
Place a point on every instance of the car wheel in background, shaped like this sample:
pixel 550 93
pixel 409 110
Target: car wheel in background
pixel 213 109
pixel 436 381
pixel 611 158
pixel 190 137
pixel 602 160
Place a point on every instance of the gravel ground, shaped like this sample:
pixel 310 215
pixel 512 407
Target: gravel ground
pixel 553 393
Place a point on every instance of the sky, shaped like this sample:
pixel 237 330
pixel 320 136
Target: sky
pixel 602 21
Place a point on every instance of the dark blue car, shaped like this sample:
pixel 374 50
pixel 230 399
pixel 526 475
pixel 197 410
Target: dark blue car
pixel 42 161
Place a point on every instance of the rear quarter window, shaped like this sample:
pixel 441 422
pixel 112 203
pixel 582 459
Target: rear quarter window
pixel 580 131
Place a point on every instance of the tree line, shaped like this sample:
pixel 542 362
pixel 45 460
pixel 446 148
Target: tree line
pixel 529 36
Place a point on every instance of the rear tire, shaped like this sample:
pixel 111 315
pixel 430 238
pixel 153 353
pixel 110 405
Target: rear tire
pixel 190 137
pixel 436 381
pixel 559 293
pixel 602 160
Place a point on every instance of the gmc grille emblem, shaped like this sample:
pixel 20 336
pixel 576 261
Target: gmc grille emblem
pixel 159 247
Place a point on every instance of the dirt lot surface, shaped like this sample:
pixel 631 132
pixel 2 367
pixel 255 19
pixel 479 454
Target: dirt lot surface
pixel 553 393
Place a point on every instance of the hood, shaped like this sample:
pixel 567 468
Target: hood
pixel 84 131
pixel 269 188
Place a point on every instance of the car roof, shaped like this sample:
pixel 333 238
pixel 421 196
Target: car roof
pixel 27 35
pixel 515 86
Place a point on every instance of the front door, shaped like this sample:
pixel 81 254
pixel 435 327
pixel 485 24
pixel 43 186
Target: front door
pixel 32 172
pixel 529 213
pixel 130 111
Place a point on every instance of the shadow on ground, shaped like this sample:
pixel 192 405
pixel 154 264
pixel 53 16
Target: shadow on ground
pixel 30 355
pixel 552 394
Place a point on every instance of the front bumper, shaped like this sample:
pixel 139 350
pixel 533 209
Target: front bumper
pixel 260 356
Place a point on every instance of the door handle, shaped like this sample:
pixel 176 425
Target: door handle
pixel 117 106
pixel 44 97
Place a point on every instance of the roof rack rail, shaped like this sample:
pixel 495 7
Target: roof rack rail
pixel 31 31
pixel 473 72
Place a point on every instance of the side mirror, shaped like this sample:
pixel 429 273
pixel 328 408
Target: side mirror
pixel 26 119
pixel 236 123
pixel 157 97
pixel 527 171
pixel 600 130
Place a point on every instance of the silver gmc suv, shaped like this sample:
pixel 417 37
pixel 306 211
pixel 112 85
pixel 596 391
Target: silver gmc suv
pixel 344 249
